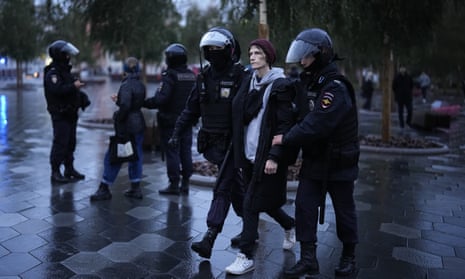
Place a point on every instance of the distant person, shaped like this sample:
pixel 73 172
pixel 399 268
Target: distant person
pixel 425 82
pixel 129 122
pixel 176 84
pixel 402 86
pixel 367 90
pixel 64 98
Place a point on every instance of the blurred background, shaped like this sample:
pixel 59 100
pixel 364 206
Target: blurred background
pixel 373 37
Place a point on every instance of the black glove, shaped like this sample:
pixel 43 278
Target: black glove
pixel 173 142
pixel 85 102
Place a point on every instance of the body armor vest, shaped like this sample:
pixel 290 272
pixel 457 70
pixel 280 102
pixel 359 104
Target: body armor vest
pixel 216 96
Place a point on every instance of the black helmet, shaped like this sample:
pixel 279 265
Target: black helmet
pixel 221 37
pixel 131 65
pixel 176 55
pixel 61 51
pixel 315 42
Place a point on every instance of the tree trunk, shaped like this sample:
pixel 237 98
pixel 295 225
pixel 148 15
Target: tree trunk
pixel 386 88
pixel 263 31
pixel 19 74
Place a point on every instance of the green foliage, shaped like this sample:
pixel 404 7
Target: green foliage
pixel 18 29
pixel 141 28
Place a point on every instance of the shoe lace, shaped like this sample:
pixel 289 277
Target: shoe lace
pixel 242 260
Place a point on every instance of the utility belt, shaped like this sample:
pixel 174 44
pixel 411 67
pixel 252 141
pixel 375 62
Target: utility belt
pixel 340 156
pixel 63 109
pixel 213 145
pixel 216 139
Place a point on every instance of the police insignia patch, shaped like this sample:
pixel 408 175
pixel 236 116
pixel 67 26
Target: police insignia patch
pixel 54 78
pixel 327 100
pixel 225 92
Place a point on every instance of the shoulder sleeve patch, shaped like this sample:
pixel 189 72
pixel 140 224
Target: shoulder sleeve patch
pixel 54 78
pixel 327 100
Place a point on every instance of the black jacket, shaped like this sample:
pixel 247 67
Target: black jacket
pixel 172 94
pixel 402 86
pixel 265 191
pixel 328 133
pixel 63 98
pixel 129 118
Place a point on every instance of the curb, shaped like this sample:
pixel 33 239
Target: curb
pixel 443 149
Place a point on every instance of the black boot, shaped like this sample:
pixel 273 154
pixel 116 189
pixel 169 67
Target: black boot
pixel 57 177
pixel 103 193
pixel 347 265
pixel 134 191
pixel 172 189
pixel 204 247
pixel 307 265
pixel 185 186
pixel 72 174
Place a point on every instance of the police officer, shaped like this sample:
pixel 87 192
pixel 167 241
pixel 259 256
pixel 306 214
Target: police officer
pixel 64 98
pixel 211 99
pixel 170 99
pixel 328 135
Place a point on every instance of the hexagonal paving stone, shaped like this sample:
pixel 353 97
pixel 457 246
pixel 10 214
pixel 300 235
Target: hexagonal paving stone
pixel 143 212
pixel 152 242
pixel 11 219
pixel 16 263
pixel 24 243
pixel 121 252
pixel 417 257
pixel 64 219
pixel 86 263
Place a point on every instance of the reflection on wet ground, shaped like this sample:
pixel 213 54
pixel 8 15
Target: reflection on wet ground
pixel 410 209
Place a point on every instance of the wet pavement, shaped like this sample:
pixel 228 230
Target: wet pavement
pixel 411 208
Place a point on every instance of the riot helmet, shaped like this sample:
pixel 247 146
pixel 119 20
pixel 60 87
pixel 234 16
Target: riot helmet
pixel 175 55
pixel 311 42
pixel 131 65
pixel 60 51
pixel 228 47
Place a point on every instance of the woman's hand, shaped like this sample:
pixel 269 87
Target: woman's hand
pixel 271 167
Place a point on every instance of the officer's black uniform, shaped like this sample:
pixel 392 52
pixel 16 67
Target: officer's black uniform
pixel 170 99
pixel 327 132
pixel 211 100
pixel 63 101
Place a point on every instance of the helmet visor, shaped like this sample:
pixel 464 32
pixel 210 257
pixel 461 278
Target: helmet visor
pixel 300 49
pixel 214 38
pixel 70 49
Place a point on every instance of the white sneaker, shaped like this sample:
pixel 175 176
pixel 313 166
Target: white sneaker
pixel 289 239
pixel 240 265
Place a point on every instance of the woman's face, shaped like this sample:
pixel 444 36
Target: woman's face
pixel 257 58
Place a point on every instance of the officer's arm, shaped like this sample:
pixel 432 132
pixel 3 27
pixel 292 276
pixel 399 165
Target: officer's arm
pixel 56 85
pixel 163 93
pixel 330 108
pixel 191 113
